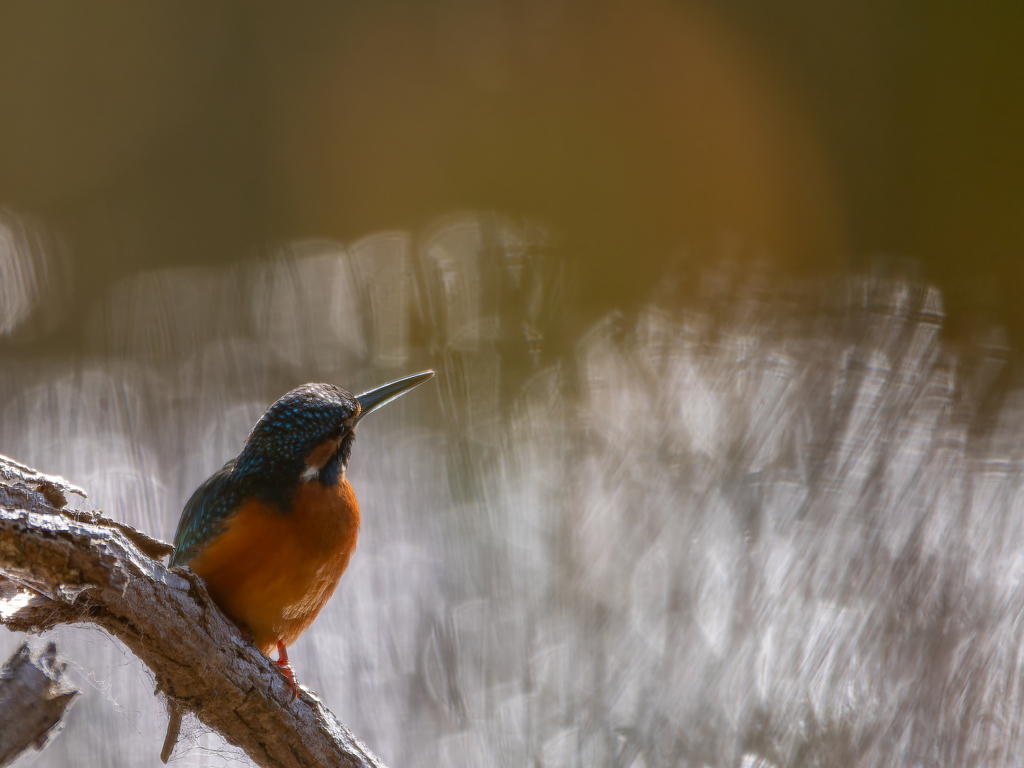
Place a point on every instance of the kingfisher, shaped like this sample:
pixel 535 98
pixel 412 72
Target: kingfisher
pixel 272 531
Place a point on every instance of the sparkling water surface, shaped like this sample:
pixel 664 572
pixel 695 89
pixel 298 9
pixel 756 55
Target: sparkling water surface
pixel 763 524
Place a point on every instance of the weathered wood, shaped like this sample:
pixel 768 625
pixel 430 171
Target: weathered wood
pixel 59 566
pixel 35 698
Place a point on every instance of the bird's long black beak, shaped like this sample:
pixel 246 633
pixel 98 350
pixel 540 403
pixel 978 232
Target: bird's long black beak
pixel 375 398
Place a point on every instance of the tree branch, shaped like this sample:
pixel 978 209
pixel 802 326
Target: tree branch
pixel 60 567
pixel 35 698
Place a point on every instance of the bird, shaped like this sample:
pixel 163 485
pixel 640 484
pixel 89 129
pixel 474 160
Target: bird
pixel 273 530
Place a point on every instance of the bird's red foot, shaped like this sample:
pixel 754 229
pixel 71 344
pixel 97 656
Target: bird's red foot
pixel 246 634
pixel 286 669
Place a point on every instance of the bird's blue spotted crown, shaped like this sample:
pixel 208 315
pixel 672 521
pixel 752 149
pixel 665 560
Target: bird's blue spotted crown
pixel 294 426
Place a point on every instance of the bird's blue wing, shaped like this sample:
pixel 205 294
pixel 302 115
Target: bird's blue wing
pixel 204 514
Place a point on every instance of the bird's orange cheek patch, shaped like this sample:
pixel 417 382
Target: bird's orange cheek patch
pixel 322 453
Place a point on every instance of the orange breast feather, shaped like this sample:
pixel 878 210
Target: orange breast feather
pixel 274 572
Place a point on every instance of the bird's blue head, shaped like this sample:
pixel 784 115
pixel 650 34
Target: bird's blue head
pixel 301 434
pixel 309 432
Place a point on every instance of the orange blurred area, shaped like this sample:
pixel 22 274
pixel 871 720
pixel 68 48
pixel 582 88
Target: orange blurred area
pixel 639 133
pixel 634 129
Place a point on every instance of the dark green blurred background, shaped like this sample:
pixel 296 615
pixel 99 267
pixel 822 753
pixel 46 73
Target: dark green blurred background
pixel 818 135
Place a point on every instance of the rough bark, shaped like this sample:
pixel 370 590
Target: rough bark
pixel 35 698
pixel 59 566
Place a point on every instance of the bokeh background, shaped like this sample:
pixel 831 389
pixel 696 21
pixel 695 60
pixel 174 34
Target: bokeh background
pixel 722 464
